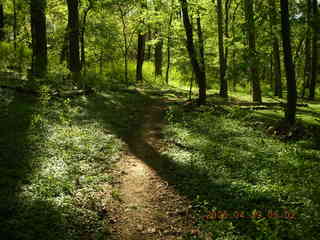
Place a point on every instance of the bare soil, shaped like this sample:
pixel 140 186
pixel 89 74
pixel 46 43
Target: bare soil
pixel 148 208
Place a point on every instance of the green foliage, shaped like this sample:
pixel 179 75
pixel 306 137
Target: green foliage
pixel 225 161
pixel 61 157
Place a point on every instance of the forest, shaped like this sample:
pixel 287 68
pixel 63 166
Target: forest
pixel 159 119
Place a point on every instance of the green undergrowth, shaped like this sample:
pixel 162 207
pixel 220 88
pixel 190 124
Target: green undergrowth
pixel 229 164
pixel 55 163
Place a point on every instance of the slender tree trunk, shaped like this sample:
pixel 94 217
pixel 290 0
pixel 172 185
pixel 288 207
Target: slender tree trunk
pixel 222 61
pixel 276 50
pixel 140 56
pixel 141 50
pixel 169 47
pixel 308 61
pixel 126 46
pixel 14 26
pixel 199 74
pixel 39 38
pixel 314 64
pixel 64 54
pixel 158 57
pixel 201 46
pixel 101 61
pixel 277 68
pixel 234 66
pixel 148 55
pixel 290 69
pixel 191 86
pixel 158 52
pixel 74 35
pixel 2 34
pixel 82 38
pixel 253 61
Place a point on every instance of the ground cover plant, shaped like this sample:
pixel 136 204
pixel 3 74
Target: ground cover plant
pixel 239 164
pixel 159 119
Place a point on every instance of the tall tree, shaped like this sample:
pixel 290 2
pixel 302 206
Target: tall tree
pixel 74 37
pixel 198 71
pixel 15 33
pixel 158 51
pixel 290 69
pixel 275 49
pixel 308 61
pixel 82 36
pixel 201 46
pixel 124 11
pixel 39 38
pixel 222 60
pixel 314 64
pixel 141 49
pixel 253 60
pixel 169 40
pixel 2 34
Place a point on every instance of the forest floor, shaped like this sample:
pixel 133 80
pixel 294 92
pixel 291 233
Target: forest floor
pixel 149 164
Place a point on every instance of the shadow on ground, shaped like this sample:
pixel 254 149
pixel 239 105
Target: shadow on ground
pixel 21 217
pixel 125 114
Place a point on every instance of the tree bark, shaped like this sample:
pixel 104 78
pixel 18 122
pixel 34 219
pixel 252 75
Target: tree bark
pixel 222 61
pixel 276 50
pixel 14 26
pixel 158 56
pixel 140 56
pixel 39 38
pixel 82 39
pixel 169 46
pixel 2 34
pixel 199 74
pixel 201 46
pixel 314 64
pixel 290 69
pixel 141 51
pixel 158 51
pixel 74 35
pixel 308 61
pixel 253 64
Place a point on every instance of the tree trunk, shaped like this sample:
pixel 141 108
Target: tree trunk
pixel 101 61
pixel 64 54
pixel 277 68
pixel 126 45
pixel 140 56
pixel 222 61
pixel 253 64
pixel 308 61
pixel 158 56
pixel 15 26
pixel 82 40
pixel 169 47
pixel 199 74
pixel 39 38
pixel 276 51
pixel 148 55
pixel 201 46
pixel 2 34
pixel 141 49
pixel 290 70
pixel 74 32
pixel 314 64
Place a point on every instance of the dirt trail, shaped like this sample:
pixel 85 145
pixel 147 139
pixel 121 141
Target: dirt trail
pixel 150 208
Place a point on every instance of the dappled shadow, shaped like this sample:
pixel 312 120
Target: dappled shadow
pixel 15 152
pixel 22 215
pixel 126 115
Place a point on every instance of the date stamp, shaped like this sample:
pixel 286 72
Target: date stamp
pixel 255 214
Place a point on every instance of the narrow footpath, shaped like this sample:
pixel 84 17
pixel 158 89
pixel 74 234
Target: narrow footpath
pixel 149 208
